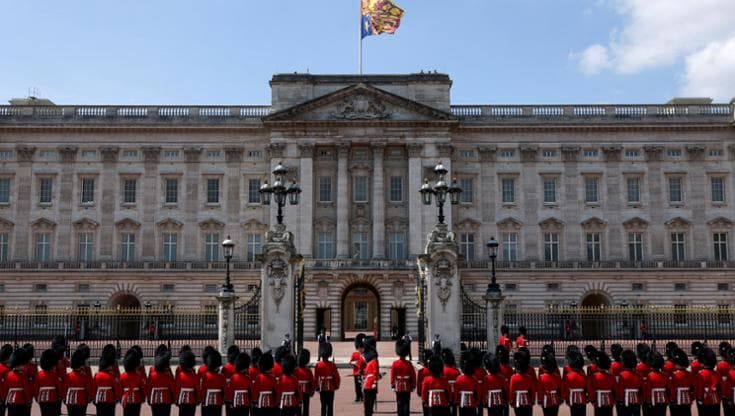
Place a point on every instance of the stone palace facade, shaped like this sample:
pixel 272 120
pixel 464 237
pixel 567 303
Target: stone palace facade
pixel 592 204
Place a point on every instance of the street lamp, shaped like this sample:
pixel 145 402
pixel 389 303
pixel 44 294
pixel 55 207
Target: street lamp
pixel 492 248
pixel 228 246
pixel 279 191
pixel 440 191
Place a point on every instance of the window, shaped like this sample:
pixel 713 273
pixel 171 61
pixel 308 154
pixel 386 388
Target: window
pixel 720 245
pixel 634 189
pixel 129 190
pixel 511 287
pixel 47 154
pixel 396 189
pixel 396 246
pixel 4 190
pixel 467 154
pixel 553 287
pixel 635 246
pixel 87 190
pixel 680 313
pixel 673 152
pixel 551 246
pixel 723 314
pixel 213 154
pixel 638 287
pixel 172 190
pixel 45 188
pixel 718 189
pixel 591 191
pixel 254 191
pixel 211 247
pixel 467 245
pixel 210 289
pixel 83 288
pixel 510 246
pixel 507 154
pixel 43 247
pixel 170 246
pixel 86 247
pixel 168 288
pixel 680 287
pixel 361 316
pixel 715 152
pixel 360 189
pixel 594 247
pixel 677 246
pixel 127 247
pixel 130 153
pixel 467 195
pixel 254 247
pixel 548 153
pixel 325 189
pixel 591 153
pixel 325 245
pixel 40 287
pixel 675 190
pixel 89 154
pixel 360 246
pixel 4 247
pixel 509 190
pixel 549 190
pixel 255 154
pixel 723 287
pixel 171 154
pixel 6 154
pixel 632 153
pixel 213 191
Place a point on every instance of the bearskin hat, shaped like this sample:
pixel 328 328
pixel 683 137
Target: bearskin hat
pixel 108 348
pixel 49 359
pixel 58 344
pixel 138 350
pixel 232 352
pixel 492 364
pixel 708 358
pixel 548 349
pixel 5 352
pixel 504 329
pixel 426 357
pixel 213 361
pixel 187 360
pixel 503 355
pixel 548 362
pixel 288 364
pixel 304 358
pixel 616 350
pixel 696 347
pixel 358 340
pixel 725 348
pixel 468 361
pixel 255 355
pixel 402 348
pixel 642 350
pixel 571 349
pixel 78 359
pixel 521 360
pixel 669 349
pixel 629 359
pixel 162 362
pixel 522 330
pixel 185 347
pixel 369 343
pixel 131 362
pixel 590 351
pixel 206 351
pixel 436 366
pixel 325 350
pixel 603 360
pixel 18 358
pixel 448 357
pixel 242 362
pixel 107 360
pixel 265 363
pixel 680 357
pixel 160 349
pixel 281 353
pixel 731 357
pixel 575 360
pixel 655 360
pixel 30 350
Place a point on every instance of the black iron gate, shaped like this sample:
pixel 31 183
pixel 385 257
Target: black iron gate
pixel 474 323
pixel 300 298
pixel 421 313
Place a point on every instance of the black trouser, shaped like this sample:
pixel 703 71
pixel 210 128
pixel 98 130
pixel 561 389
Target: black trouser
pixel 496 411
pixel 633 410
pixel 604 411
pixel 439 411
pixel 578 410
pixel 358 388
pixel 709 410
pixel 552 411
pixel 680 410
pixel 728 409
pixel 130 410
pixel 305 404
pixel 161 409
pixel 467 411
pixel 187 409
pixel 523 410
pixel 74 410
pixel 269 411
pixel 403 404
pixel 48 409
pixel 239 411
pixel 327 400
pixel 211 411
pixel 657 410
pixel 291 411
pixel 105 409
pixel 369 403
pixel 18 410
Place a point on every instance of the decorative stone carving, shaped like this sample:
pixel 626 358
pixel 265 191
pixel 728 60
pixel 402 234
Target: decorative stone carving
pixel 279 235
pixel 306 150
pixel 635 223
pixel 110 154
pixel 509 224
pixel 441 239
pixel 593 224
pixel 151 154
pixel 678 223
pixel 234 154
pixel 343 150
pixel 612 153
pixel 212 223
pixel 488 153
pixel 720 223
pixel 696 152
pixel 192 154
pixel 253 226
pixel 25 153
pixel 443 279
pixel 398 289
pixel 43 223
pixel 85 224
pixel 6 225
pixel 170 224
pixel 68 153
pixel 277 271
pixel 467 224
pixel 551 224
pixel 127 224
pixel 653 153
pixel 274 150
pixel 529 153
pixel 361 107
pixel 570 153
pixel 415 149
pixel 378 149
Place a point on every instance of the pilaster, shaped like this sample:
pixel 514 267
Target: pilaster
pixel 343 202
pixel 378 201
pixel 415 206
pixel 306 205
pixel 151 155
pixel 190 238
pixel 658 198
pixel 64 234
pixel 108 202
pixel 21 235
pixel 233 184
pixel 225 320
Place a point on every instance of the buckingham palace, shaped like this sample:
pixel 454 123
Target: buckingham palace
pixel 593 205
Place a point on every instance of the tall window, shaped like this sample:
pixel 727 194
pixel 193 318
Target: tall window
pixel 594 247
pixel 45 190
pixel 4 247
pixel 254 191
pixel 170 246
pixel 254 247
pixel 213 191
pixel 510 246
pixel 551 246
pixel 211 247
pixel 467 195
pixel 634 189
pixel 360 246
pixel 675 190
pixel 325 189
pixel 172 190
pixel 549 190
pixel 360 184
pixel 4 190
pixel 129 190
pixel 43 247
pixel 591 190
pixel 396 189
pixel 325 245
pixel 509 190
pixel 720 245
pixel 718 189
pixel 127 247
pixel 677 246
pixel 396 246
pixel 635 246
pixel 87 190
pixel 467 245
pixel 86 247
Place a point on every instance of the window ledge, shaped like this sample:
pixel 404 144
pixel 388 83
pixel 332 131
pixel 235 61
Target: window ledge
pixel 45 204
pixel 213 205
pixel 128 204
pixel 676 205
pixel 4 204
pixel 592 204
pixel 551 204
pixel 87 205
pixel 170 204
pixel 509 204
pixel 714 204
pixel 635 204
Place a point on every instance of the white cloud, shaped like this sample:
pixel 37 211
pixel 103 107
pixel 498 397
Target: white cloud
pixel 711 71
pixel 593 59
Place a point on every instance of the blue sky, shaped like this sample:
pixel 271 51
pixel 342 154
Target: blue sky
pixel 496 51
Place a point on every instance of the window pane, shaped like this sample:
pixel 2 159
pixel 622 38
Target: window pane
pixel 360 247
pixel 635 246
pixel 510 246
pixel 549 190
pixel 254 191
pixel 43 247
pixel 467 194
pixel 551 246
pixel 4 247
pixel 509 194
pixel 634 189
pixel 211 247
pixel 591 190
pixel 254 247
pixel 720 246
pixel 325 189
pixel 129 189
pixel 718 190
pixel 127 249
pixel 4 190
pixel 467 245
pixel 396 189
pixel 45 188
pixel 87 190
pixel 85 247
pixel 170 246
pixel 677 246
pixel 594 247
pixel 675 190
pixel 212 191
pixel 396 246
pixel 325 245
pixel 172 191
pixel 361 188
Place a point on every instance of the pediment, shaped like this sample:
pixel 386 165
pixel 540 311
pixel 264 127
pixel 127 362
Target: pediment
pixel 593 223
pixel 720 222
pixel 127 223
pixel 211 223
pixel 551 223
pixel 467 224
pixel 678 222
pixel 4 223
pixel 85 223
pixel 170 223
pixel 254 225
pixel 510 223
pixel 635 222
pixel 360 103
pixel 43 223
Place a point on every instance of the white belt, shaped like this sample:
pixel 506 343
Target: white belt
pixel 238 397
pixel 101 394
pixel 71 394
pixel 184 394
pixel 631 397
pixel 287 399
pixel 576 396
pixel 522 398
pixel 604 398
pixel 494 398
pixel 11 394
pixel 683 396
pixel 211 397
pixel 44 393
pixel 548 394
pixel 265 399
pixel 304 385
pixel 465 398
pixel 157 395
pixel 435 397
pixel 658 395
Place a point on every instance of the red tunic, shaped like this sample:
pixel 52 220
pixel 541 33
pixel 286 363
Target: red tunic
pixel 253 372
pixel 727 387
pixel 655 388
pixel 616 367
pixel 681 388
pixel 306 381
pixel 288 393
pixel 371 376
pixel 549 389
pixel 16 390
pixel 695 366
pixel 466 392
pixel 506 371
pixel 451 374
pixel 161 387
pixel 402 376
pixel 107 388
pixel 494 391
pixel 202 370
pixel 62 366
pixel 264 391
pixel 212 389
pixel 77 388
pixel 643 370
pixel 706 387
pixel 668 368
pixel 48 387
pixel 133 388
pixel 357 363
pixel 277 371
pixel 601 389
pixel 574 387
pixel 420 376
pixel 326 376
pixel 723 369
pixel 628 389
pixel 186 387
pixel 479 375
pixel 238 390
pixel 506 342
pixel 435 391
pixel 522 390
pixel 592 369
pixel 228 370
pixel 521 341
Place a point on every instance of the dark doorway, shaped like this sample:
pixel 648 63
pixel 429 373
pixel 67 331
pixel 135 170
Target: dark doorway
pixel 323 320
pixel 397 322
pixel 360 311
pixel 127 322
pixel 594 324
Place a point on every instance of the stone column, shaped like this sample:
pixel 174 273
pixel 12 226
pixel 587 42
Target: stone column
pixel 378 201
pixel 190 238
pixel 616 197
pixel 495 309
pixel 25 202
pixel 306 205
pixel 571 213
pixel 527 199
pixel 232 183
pixel 67 199
pixel 697 200
pixel 443 302
pixel 225 319
pixel 343 203
pixel 415 206
pixel 658 194
pixel 151 202
pixel 108 201
pixel 277 304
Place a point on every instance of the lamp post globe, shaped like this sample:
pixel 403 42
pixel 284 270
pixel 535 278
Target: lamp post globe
pixel 440 190
pixel 279 192
pixel 228 247
pixel 492 248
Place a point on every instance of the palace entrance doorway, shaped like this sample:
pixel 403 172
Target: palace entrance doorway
pixel 360 311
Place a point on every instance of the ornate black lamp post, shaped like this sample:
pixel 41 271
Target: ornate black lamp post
pixel 228 246
pixel 492 247
pixel 440 191
pixel 280 191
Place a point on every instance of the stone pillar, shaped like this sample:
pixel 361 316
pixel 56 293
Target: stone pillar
pixel 659 196
pixel 415 206
pixel 225 319
pixel 698 203
pixel 108 185
pixel 616 244
pixel 495 310
pixel 443 302
pixel 151 202
pixel 343 203
pixel 63 250
pixel 378 201
pixel 306 205
pixel 277 303
pixel 190 234
pixel 571 213
pixel 527 199
pixel 232 185
pixel 26 201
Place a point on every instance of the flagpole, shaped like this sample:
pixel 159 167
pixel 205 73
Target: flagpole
pixel 359 34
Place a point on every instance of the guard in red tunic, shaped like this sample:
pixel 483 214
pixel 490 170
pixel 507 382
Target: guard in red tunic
pixel 522 339
pixel 727 387
pixel 358 365
pixel 435 388
pixel 602 386
pixel 549 385
pixel 161 385
pixel 421 375
pixel 723 366
pixel 402 379
pixel 264 388
pixel 574 384
pixel 479 374
pixel 254 369
pixel 15 391
pixel 494 392
pixel 505 340
pixel 5 352
pixel 132 384
pixel 306 379
pixel 451 373
pixel 522 389
pixel 371 376
pixel 465 394
pixel 681 387
pixel 669 367
pixel 288 392
pixel 213 386
pixel 205 353
pixel 643 351
pixel 187 383
pixel 696 365
pixel 238 390
pixel 48 384
pixel 228 370
pixel 707 384
pixel 107 391
pixel 591 352
pixel 327 379
pixel 656 387
pixel 616 367
pixel 628 388
pixel 278 356
pixel 77 389
pixel 31 367
pixel 60 346
pixel 504 357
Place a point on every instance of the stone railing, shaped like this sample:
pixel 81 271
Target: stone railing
pixel 131 114
pixel 598 265
pixel 133 266
pixel 359 264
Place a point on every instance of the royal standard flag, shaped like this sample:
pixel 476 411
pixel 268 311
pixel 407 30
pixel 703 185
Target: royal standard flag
pixel 379 16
